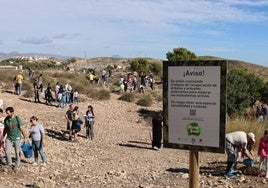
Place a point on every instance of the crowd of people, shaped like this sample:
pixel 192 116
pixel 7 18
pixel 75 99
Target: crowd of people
pixel 62 94
pixel 75 122
pixel 129 82
pixel 13 134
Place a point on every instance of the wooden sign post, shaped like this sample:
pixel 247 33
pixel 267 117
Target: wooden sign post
pixel 194 169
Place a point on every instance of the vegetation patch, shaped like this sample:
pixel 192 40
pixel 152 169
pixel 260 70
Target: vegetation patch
pixel 129 97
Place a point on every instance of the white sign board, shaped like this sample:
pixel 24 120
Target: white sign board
pixel 194 105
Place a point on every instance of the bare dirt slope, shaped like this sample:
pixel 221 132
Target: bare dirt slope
pixel 119 156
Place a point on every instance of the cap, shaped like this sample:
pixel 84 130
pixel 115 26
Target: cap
pixel 251 136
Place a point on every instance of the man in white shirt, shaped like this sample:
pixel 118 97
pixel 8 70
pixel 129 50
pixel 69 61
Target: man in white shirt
pixel 237 142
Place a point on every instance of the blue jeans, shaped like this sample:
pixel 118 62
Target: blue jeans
pixel 9 144
pixel 38 147
pixel 19 88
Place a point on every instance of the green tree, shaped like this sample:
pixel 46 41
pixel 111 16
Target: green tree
pixel 264 93
pixel 242 88
pixel 140 65
pixel 181 54
pixel 156 68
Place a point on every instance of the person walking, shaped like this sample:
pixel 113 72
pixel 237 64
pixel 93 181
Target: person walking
pixel 263 152
pixel 13 129
pixel 68 117
pixel 36 91
pixel 37 134
pixel 40 82
pixel 19 80
pixel 89 124
pixel 76 124
pixel 48 95
pixel 236 142
pixel 157 122
pixel 75 96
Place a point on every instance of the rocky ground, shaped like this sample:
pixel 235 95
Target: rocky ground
pixel 119 156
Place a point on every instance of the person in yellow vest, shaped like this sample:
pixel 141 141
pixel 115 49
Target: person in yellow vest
pixel 19 80
pixel 91 77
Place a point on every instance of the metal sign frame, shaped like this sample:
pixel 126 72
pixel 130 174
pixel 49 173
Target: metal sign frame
pixel 179 93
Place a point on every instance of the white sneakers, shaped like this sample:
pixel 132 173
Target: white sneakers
pixel 36 164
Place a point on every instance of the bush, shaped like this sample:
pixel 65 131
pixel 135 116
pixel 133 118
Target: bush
pixel 101 94
pixel 156 68
pixel 145 100
pixel 140 65
pixel 129 97
pixel 28 94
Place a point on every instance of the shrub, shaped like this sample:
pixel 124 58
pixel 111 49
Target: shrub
pixel 140 65
pixel 145 100
pixel 129 97
pixel 101 94
pixel 156 68
pixel 26 86
pixel 28 94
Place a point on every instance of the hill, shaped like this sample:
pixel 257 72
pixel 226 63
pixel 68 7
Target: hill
pixel 102 62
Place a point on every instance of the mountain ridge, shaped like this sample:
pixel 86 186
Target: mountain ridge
pixel 13 54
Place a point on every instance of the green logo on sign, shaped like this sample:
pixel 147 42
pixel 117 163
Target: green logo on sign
pixel 193 129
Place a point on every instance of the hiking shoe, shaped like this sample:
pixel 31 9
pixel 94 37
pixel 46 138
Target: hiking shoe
pixel 230 175
pixel 35 164
pixel 44 164
pixel 233 171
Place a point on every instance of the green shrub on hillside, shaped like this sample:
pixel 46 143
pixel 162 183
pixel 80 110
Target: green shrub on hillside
pixel 243 89
pixel 156 68
pixel 129 97
pixel 100 94
pixel 145 100
pixel 140 65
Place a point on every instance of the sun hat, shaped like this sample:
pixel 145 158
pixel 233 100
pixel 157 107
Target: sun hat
pixel 251 136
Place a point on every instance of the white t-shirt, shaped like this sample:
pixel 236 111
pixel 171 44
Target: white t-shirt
pixel 238 138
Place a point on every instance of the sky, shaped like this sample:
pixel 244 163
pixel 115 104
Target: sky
pixel 231 29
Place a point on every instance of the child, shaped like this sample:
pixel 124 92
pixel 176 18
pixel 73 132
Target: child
pixel 263 152
pixel 37 134
pixel 75 96
pixel 90 122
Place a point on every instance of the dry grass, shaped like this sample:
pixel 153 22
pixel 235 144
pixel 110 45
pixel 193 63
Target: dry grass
pixel 129 97
pixel 240 124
